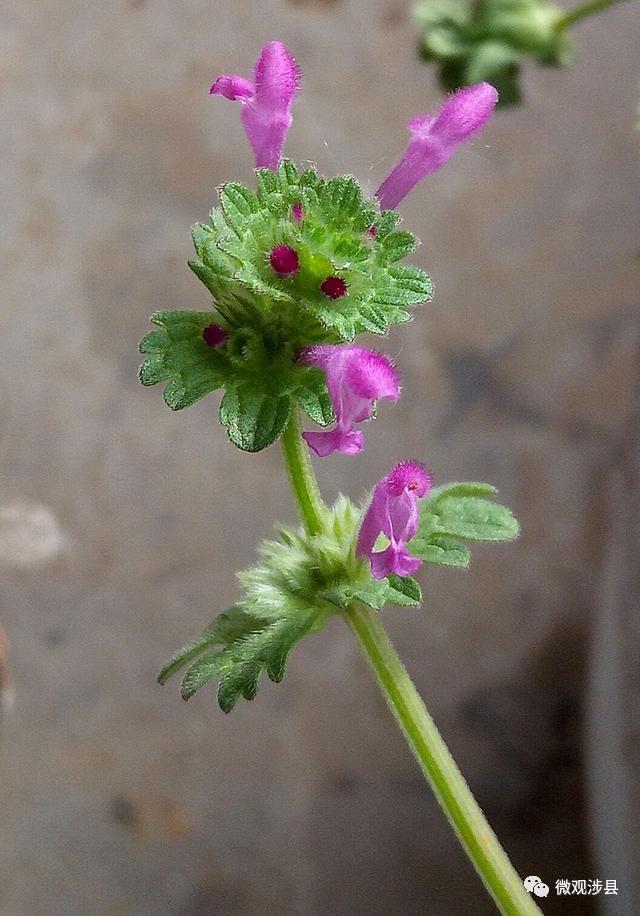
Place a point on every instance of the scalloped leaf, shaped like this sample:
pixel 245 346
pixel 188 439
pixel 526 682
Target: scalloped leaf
pixel 227 627
pixel 179 355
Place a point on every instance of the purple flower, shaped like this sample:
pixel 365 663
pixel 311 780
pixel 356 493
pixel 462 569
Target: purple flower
pixel 266 102
pixel 394 513
pixel 434 140
pixel 356 378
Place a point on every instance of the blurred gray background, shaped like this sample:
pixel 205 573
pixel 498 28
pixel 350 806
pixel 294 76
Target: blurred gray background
pixel 121 523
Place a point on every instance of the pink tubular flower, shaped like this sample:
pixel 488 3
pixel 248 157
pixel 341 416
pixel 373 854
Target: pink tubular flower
pixel 266 102
pixel 434 140
pixel 356 378
pixel 394 513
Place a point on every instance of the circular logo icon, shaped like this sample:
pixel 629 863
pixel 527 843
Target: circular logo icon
pixel 535 885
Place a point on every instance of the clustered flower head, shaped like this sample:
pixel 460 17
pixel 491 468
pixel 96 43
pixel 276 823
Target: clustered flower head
pixel 489 39
pixel 297 269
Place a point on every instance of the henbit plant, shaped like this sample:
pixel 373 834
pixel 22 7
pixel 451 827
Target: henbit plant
pixel 297 269
pixel 476 40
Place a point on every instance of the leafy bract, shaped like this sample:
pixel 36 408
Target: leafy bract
pixel 300 580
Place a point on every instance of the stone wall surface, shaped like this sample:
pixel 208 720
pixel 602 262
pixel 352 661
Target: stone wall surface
pixel 116 797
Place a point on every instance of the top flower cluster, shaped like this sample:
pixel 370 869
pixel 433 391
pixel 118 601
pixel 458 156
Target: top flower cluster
pixel 297 269
pixel 356 377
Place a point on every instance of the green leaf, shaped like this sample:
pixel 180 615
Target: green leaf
pixel 154 370
pixel 460 488
pixel 411 285
pixel 490 61
pixel 201 236
pixel 476 519
pixel 396 246
pixel 241 662
pixel 457 511
pixel 443 551
pixel 249 645
pixel 460 510
pixel 253 416
pixel 403 591
pixel 340 594
pixel 314 399
pixel 288 174
pixel 201 672
pixel 154 342
pixel 344 197
pixel 375 593
pixel 238 203
pixel 232 625
pixel 267 183
pixel 332 238
pixel 178 354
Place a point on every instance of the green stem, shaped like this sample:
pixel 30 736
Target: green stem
pixel 301 475
pixel 438 766
pixel 584 10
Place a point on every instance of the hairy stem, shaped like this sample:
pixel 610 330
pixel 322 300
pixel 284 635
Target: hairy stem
pixel 301 475
pixel 584 10
pixel 439 768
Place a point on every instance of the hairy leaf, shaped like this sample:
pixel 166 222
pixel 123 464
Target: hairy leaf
pixel 253 416
pixel 231 625
pixel 179 355
pixel 441 550
pixel 460 510
pixel 473 518
pixel 403 591
pixel 313 397
pixel 243 658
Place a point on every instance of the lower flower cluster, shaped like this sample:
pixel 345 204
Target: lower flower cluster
pixel 302 579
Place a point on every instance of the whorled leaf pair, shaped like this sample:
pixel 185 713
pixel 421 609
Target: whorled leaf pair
pixel 268 319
